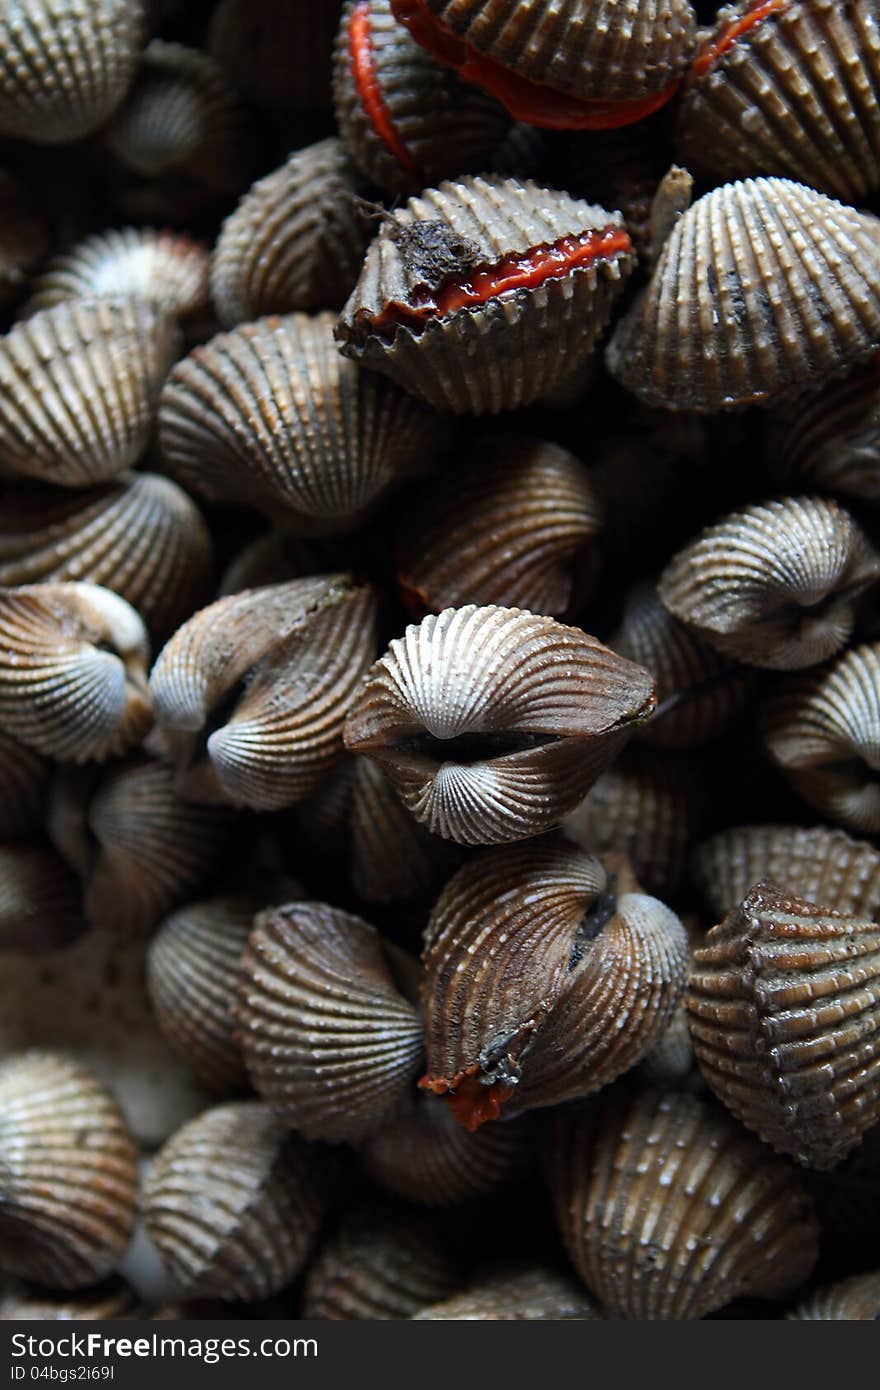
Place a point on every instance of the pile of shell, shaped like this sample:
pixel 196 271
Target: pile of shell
pixel 440 659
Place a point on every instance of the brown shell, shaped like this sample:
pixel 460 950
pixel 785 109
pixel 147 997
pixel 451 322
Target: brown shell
pixel 73 671
pixel 443 708
pixel 193 970
pixel 381 1264
pixel 823 731
pixel 78 389
pixel 112 1301
pixel 24 780
pixel 40 900
pixel 64 70
pixel 140 535
pixel 789 88
pixel 514 524
pixel 784 1007
pixel 852 1300
pixel 669 1210
pixel 233 1204
pixel 762 287
pixel 831 440
pixel 406 119
pixel 328 1038
pixel 775 585
pixel 704 691
pixel 511 343
pixel 529 1294
pixel 169 269
pixel 269 414
pixel 24 237
pixel 296 240
pixel 392 856
pixel 288 659
pixel 276 52
pixel 813 862
pixel 68 1176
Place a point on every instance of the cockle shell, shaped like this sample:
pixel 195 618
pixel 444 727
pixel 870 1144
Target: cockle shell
pixel 24 780
pixel 40 900
pixel 193 970
pixel 287 658
pixel 852 1300
pixel 568 65
pixel 669 1210
pixel 393 857
pixel 276 52
pixel 73 671
pixel 513 524
pixel 68 1172
pixel 269 414
pixel 789 87
pixel 328 1038
pixel 140 535
pixel 762 287
pixel 169 269
pixel 233 1203
pixel 821 865
pixel 784 1009
pixel 112 1301
pixel 65 67
pixel 405 118
pixel 485 294
pixel 492 723
pixel 775 585
pixel 823 731
pixel 296 240
pixel 831 440
pixel 530 1294
pixel 24 237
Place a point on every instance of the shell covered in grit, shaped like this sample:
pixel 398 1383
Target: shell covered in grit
pixel 169 269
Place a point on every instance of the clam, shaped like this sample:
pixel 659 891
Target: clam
pixel 40 900
pixel 68 1173
pixel 789 88
pixel 24 237
pixel 492 723
pixel 831 440
pixel 762 288
pixel 406 119
pixel 669 1210
pixel 79 385
pixel 24 780
pixel 329 1037
pixel 233 1203
pixel 296 240
pixel 269 414
pixel 784 1009
pixel 487 293
pixel 569 65
pixel 852 1300
pixel 393 857
pixel 170 269
pixel 73 671
pixel 775 585
pixel 276 52
pixel 252 692
pixel 518 1294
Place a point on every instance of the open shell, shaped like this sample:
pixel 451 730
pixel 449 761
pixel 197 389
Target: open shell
pixel 277 52
pixel 169 269
pixel 852 1300
pixel 515 1295
pixel 40 899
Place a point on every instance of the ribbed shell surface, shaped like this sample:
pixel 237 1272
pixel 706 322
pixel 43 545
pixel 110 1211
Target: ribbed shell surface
pixel 233 1204
pixel 669 1210
pixel 784 1009
pixel 329 1040
pixel 40 899
pixel 796 92
pixel 496 671
pixel 68 1173
pixel 380 1265
pixel 527 1295
pixel 24 779
pixel 518 345
pixel 832 440
pixel 762 287
pixel 65 65
pixel 852 1300
pixel 169 269
pixel 392 856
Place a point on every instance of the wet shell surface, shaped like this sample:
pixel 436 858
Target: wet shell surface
pixel 762 287
pixel 485 294
pixel 823 731
pixel 287 658
pixel 492 723
pixel 79 385
pixel 329 1040
pixel 277 52
pixel 381 1264
pixel 775 585
pixel 73 671
pixel 831 440
pixel 24 780
pixel 193 970
pixel 40 900
pixel 789 87
pixel 169 269
pixel 24 237
pixel 813 862
pixel 140 535
pixel 233 1204
pixel 296 240
pixel 64 68
pixel 514 524
pixel 852 1300
pixel 69 1173
pixel 669 1210
pixel 406 119
pixel 269 414
pixel 569 65
pixel 111 1301
pixel 516 1295
pixel 784 1008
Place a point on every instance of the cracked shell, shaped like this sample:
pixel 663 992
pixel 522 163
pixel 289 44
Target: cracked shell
pixel 529 1294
